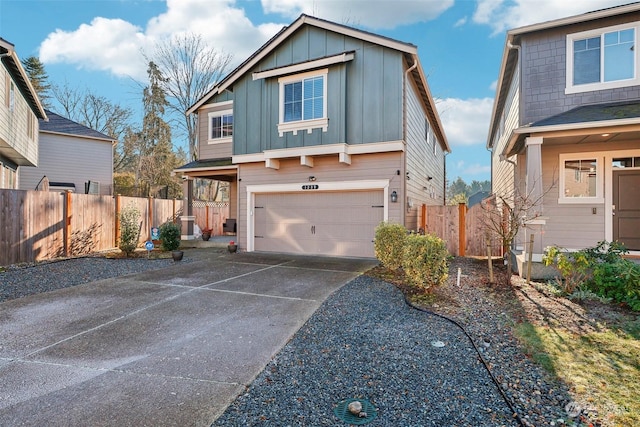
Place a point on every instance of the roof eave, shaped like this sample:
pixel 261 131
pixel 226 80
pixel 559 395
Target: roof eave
pixel 275 41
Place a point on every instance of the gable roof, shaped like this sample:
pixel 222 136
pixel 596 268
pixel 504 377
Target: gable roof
pixel 409 50
pixel 10 59
pixel 61 125
pixel 510 56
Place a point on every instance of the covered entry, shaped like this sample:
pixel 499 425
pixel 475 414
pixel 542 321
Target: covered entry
pixel 336 223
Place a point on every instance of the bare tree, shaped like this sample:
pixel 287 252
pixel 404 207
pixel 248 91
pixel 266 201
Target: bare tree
pixel 507 213
pixel 190 69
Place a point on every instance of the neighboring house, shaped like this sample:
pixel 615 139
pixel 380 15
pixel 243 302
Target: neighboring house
pixel 20 110
pixel 324 132
pixel 565 129
pixel 72 157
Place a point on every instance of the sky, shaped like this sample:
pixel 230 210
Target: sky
pixel 97 44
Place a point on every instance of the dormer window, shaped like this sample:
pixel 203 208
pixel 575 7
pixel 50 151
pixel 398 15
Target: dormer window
pixel 602 59
pixel 303 102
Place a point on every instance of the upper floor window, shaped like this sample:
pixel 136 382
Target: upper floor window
pixel 220 126
pixel 303 102
pixel 602 59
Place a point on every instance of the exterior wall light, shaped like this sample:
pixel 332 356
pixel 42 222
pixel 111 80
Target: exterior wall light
pixel 394 196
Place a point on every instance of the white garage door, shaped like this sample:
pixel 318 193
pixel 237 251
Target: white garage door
pixel 320 223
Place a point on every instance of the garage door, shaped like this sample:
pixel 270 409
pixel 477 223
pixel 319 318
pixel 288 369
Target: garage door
pixel 321 223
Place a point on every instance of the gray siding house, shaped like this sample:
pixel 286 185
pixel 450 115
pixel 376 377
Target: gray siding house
pixel 72 157
pixel 324 132
pixel 565 129
pixel 20 110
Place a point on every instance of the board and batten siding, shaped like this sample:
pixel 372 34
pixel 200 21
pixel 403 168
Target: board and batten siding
pixel 65 158
pixel 421 161
pixel 362 106
pixel 326 169
pixel 544 72
pixel 15 124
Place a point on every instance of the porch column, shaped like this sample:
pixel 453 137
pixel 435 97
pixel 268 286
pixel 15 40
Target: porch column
pixel 534 221
pixel 187 218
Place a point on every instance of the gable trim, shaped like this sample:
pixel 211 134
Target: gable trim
pixel 304 66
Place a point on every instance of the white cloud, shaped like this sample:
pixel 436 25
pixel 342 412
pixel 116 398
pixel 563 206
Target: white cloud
pixel 465 121
pixel 494 85
pixel 502 15
pixel 104 44
pixel 374 14
pixel 460 22
pixel 115 46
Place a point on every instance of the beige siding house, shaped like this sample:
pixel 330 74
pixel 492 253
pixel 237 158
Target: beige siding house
pixel 72 157
pixel 20 110
pixel 324 132
pixel 565 129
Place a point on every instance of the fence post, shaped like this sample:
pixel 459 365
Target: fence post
pixel 462 237
pixel 117 220
pixel 67 223
pixel 150 223
pixel 423 221
pixel 173 216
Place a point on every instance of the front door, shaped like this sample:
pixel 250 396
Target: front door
pixel 626 208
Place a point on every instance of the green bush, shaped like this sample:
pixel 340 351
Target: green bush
pixel 169 236
pixel 389 244
pixel 130 224
pixel 425 261
pixel 601 269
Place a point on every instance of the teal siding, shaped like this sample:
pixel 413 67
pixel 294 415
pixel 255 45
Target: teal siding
pixel 364 96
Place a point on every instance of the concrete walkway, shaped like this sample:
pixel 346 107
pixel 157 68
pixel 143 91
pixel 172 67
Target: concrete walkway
pixel 170 347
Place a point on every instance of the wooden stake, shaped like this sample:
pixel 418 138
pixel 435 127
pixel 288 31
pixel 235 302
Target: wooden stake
pixel 529 260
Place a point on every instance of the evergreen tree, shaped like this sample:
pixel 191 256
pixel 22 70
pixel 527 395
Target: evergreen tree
pixel 39 79
pixel 154 149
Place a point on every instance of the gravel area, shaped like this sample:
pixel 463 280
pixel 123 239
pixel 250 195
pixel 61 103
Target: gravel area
pixel 366 343
pixel 21 281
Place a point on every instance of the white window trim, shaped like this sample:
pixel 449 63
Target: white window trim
pixel 218 113
pixel 599 198
pixel 301 125
pixel 589 87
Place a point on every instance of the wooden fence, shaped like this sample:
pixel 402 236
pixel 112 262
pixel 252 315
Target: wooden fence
pixel 462 228
pixel 40 225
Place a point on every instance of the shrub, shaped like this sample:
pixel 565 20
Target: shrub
pixel 169 236
pixel 573 266
pixel 389 244
pixel 425 261
pixel 130 224
pixel 601 270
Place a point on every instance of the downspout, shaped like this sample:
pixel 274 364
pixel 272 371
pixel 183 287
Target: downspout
pixel 404 138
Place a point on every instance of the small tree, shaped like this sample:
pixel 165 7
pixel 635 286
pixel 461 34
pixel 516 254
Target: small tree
pixel 169 236
pixel 129 228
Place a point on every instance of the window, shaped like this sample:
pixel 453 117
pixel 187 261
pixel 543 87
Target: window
pixel 579 180
pixel 601 59
pixel 220 126
pixel 303 102
pixel 626 162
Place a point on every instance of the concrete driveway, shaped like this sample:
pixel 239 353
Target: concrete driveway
pixel 169 347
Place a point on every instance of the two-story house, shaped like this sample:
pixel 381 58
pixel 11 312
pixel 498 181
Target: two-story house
pixel 324 132
pixel 565 130
pixel 72 157
pixel 20 110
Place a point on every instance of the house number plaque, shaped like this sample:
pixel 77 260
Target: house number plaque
pixel 310 187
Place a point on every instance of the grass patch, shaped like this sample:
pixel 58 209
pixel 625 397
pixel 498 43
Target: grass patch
pixel 602 368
